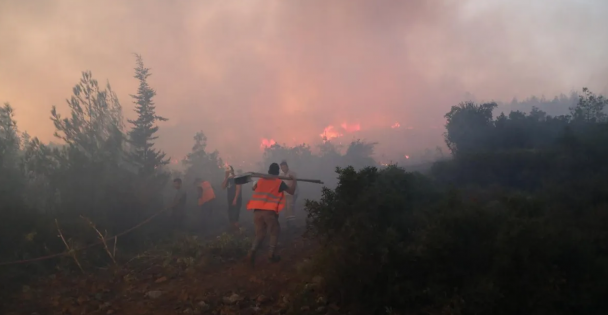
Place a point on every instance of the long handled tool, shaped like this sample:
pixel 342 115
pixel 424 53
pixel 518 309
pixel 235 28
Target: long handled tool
pixel 248 177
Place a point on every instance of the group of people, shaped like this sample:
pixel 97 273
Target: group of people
pixel 270 196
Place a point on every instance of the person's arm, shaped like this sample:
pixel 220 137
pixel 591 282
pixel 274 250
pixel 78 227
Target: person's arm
pixel 254 186
pixel 236 195
pixel 290 189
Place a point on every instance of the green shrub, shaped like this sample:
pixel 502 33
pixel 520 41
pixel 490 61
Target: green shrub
pixel 393 240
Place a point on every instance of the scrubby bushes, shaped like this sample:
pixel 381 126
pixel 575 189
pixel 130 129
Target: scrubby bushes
pixel 515 223
pixel 393 240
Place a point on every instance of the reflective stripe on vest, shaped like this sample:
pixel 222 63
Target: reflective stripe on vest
pixel 208 193
pixel 267 196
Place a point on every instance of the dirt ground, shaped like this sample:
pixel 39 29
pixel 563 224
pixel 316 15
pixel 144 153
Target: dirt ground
pixel 149 286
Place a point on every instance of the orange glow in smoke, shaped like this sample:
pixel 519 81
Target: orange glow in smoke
pixel 267 143
pixel 350 128
pixel 396 125
pixel 407 156
pixel 329 133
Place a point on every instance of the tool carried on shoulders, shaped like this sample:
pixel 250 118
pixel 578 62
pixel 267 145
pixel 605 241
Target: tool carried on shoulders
pixel 248 177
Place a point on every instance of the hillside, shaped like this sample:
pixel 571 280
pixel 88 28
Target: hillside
pixel 178 278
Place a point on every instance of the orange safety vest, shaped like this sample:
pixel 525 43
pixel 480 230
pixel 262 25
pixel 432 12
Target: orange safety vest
pixel 266 196
pixel 208 193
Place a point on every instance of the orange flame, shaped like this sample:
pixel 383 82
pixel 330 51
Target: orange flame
pixel 267 143
pixel 407 156
pixel 329 133
pixel 396 125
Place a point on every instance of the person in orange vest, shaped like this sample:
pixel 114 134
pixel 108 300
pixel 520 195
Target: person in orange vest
pixel 206 196
pixel 267 201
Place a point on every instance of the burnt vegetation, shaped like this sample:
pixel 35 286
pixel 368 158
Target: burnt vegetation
pixel 515 222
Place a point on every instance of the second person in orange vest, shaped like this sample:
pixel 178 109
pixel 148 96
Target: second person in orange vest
pixel 267 201
pixel 206 198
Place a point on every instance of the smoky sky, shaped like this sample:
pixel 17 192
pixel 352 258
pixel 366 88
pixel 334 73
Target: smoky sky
pixel 244 71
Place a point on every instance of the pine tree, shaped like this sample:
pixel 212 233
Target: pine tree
pixel 9 140
pixel 144 127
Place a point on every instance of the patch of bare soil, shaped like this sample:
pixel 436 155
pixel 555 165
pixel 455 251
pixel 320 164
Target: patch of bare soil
pixel 152 285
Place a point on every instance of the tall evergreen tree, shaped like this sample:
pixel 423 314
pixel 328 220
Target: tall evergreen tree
pixel 144 127
pixel 9 141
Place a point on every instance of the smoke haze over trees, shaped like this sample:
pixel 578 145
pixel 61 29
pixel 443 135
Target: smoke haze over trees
pixel 464 164
pixel 520 191
pixel 303 66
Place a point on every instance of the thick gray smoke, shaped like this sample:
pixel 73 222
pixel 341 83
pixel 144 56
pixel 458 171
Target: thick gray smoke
pixel 244 71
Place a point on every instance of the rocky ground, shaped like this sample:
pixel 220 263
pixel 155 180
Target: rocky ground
pixel 182 280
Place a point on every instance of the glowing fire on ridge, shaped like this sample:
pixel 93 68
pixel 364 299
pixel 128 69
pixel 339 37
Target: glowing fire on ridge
pixel 396 125
pixel 330 132
pixel 267 143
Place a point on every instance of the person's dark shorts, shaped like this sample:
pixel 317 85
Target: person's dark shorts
pixel 234 212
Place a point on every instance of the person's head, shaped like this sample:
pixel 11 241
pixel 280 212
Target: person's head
pixel 177 183
pixel 284 167
pixel 274 169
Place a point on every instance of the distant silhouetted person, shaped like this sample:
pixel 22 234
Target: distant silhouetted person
pixel 178 206
pixel 234 198
pixel 290 199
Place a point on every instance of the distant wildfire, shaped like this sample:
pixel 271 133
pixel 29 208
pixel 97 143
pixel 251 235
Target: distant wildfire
pixel 331 132
pixel 267 143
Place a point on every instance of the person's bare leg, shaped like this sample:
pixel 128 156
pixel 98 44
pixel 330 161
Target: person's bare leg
pixel 272 220
pixel 260 234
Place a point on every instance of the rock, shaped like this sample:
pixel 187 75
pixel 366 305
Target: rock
pixel 204 306
pixel 161 280
pixel 233 299
pixel 154 294
pixel 262 299
pixel 320 309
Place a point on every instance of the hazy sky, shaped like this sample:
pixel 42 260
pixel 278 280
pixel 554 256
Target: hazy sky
pixel 247 70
